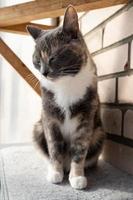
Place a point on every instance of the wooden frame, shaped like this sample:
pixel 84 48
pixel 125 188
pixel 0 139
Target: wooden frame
pixel 38 9
pixel 21 28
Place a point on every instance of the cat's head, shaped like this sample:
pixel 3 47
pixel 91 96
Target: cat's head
pixel 61 51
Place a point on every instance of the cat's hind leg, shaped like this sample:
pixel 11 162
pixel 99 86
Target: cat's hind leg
pixel 39 138
pixel 95 148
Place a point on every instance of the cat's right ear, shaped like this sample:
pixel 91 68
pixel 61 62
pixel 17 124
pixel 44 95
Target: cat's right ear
pixel 35 32
pixel 70 24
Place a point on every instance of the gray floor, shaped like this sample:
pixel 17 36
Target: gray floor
pixel 22 173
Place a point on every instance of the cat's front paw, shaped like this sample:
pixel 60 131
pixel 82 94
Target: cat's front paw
pixel 55 176
pixel 78 182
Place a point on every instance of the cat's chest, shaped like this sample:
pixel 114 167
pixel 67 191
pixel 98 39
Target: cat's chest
pixel 69 125
pixel 66 99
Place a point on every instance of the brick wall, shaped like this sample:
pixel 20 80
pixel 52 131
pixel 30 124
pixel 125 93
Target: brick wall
pixel 111 46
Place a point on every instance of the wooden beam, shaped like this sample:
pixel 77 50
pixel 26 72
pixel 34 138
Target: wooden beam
pixel 19 66
pixel 21 28
pixel 38 9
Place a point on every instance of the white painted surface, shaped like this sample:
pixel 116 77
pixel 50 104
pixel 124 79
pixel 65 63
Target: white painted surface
pixel 106 90
pixel 111 61
pixel 119 28
pixel 125 94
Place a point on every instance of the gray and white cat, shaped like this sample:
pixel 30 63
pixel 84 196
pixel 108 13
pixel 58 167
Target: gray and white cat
pixel 69 132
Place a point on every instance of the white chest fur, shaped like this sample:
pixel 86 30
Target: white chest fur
pixel 69 126
pixel 69 90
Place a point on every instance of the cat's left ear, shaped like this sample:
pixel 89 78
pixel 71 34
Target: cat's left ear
pixel 70 24
pixel 35 32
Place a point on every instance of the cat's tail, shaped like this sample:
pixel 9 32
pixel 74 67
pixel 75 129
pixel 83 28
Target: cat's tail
pixel 39 140
pixel 96 146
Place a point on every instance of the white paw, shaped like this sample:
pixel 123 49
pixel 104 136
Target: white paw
pixel 78 182
pixel 55 176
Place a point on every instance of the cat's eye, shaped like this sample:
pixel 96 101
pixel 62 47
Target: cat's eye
pixel 61 36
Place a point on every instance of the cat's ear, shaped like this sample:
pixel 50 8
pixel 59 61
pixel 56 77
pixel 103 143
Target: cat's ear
pixel 34 31
pixel 70 24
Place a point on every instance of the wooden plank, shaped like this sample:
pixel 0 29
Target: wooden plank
pixel 21 28
pixel 38 9
pixel 19 66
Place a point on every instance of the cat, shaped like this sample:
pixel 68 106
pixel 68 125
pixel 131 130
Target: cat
pixel 69 132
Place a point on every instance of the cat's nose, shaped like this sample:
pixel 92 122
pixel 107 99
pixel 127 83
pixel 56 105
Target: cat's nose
pixel 45 72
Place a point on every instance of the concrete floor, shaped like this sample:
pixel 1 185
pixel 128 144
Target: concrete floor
pixel 23 171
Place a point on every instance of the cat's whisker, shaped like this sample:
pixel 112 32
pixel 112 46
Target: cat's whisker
pixel 69 72
pixel 34 82
pixel 29 75
pixel 68 67
pixel 65 74
pixel 65 69
pixel 37 83
pixel 74 69
pixel 31 78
